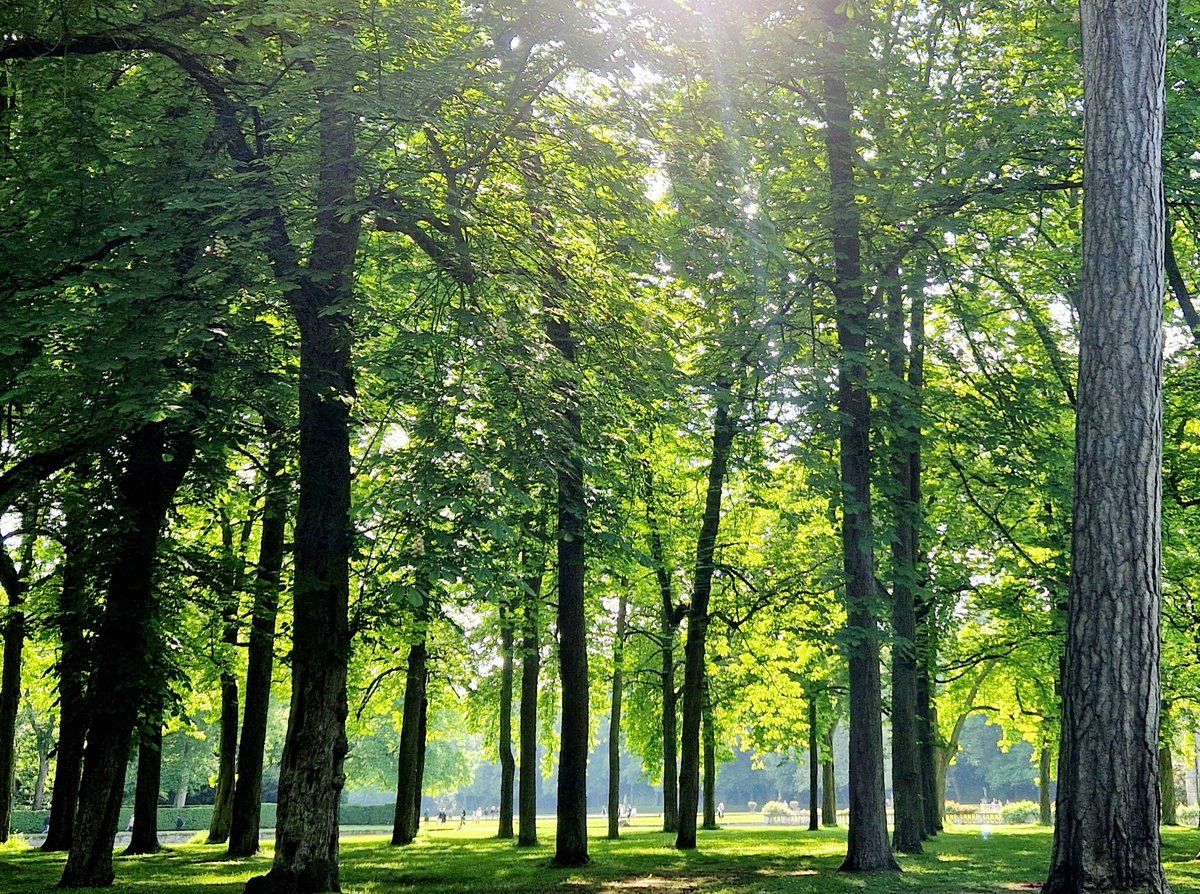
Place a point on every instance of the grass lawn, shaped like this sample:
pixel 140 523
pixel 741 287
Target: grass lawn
pixel 735 860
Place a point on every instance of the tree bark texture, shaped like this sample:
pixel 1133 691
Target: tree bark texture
pixel 868 848
pixel 247 792
pixel 508 764
pixel 144 837
pixel 531 662
pixel 311 774
pixel 927 745
pixel 1106 831
pixel 667 630
pixel 408 791
pixel 614 724
pixel 155 464
pixel 695 647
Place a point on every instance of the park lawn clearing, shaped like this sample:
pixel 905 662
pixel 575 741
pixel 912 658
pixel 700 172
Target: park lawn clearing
pixel 737 860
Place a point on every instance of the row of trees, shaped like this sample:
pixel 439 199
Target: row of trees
pixel 750 329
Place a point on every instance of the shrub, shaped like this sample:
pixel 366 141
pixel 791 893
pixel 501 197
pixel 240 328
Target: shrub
pixel 1020 812
pixel 1187 815
pixel 776 808
pixel 368 814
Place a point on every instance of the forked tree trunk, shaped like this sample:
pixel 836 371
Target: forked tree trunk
pixel 247 793
pixel 867 848
pixel 155 466
pixel 724 429
pixel 531 662
pixel 614 723
pixel 508 764
pixel 1111 690
pixel 144 837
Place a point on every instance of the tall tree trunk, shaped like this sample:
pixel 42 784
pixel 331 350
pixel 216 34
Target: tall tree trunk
pixel 867 846
pixel 1111 690
pixel 907 790
pixel 408 785
pixel 222 817
pixel 154 468
pixel 247 793
pixel 531 662
pixel 814 765
pixel 508 764
pixel 669 618
pixel 311 774
pixel 927 725
pixel 15 583
pixel 829 781
pixel 72 669
pixel 144 837
pixel 724 429
pixel 709 739
pixel 1045 764
pixel 570 844
pixel 1166 773
pixel 614 723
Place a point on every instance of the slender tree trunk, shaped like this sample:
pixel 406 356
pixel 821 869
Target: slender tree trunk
pixel 867 847
pixel 614 723
pixel 72 673
pixel 144 837
pixel 531 661
pixel 408 791
pixel 668 626
pixel 1111 690
pixel 709 737
pixel 829 781
pixel 155 466
pixel 422 750
pixel 508 764
pixel 814 765
pixel 15 583
pixel 222 817
pixel 311 773
pixel 1045 764
pixel 907 789
pixel 247 793
pixel 927 724
pixel 724 429
pixel 1167 783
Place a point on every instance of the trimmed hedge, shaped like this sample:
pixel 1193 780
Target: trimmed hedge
pixel 198 819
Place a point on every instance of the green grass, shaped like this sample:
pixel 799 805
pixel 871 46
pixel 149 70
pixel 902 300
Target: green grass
pixel 734 860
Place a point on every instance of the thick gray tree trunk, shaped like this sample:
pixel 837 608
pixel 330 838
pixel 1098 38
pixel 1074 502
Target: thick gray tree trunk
pixel 1106 832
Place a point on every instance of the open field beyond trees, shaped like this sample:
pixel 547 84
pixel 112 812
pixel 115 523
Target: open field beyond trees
pixel 643 861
